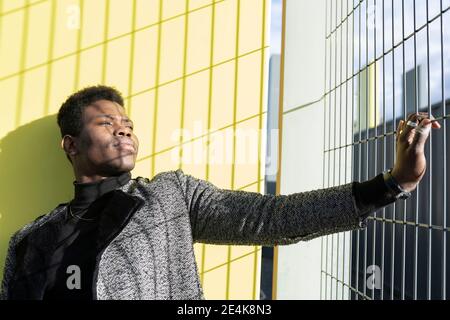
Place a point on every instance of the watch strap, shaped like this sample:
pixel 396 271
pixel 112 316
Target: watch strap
pixel 397 191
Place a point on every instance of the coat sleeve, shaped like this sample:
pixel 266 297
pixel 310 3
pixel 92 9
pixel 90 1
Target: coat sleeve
pixel 221 216
pixel 10 266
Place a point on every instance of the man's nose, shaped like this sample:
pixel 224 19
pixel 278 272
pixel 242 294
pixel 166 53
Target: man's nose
pixel 123 131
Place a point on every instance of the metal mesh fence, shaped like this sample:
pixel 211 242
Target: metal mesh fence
pixel 386 59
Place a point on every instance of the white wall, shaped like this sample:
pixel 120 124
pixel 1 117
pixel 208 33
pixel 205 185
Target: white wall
pixel 299 265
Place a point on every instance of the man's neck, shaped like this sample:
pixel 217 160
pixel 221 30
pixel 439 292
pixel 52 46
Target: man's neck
pixel 85 177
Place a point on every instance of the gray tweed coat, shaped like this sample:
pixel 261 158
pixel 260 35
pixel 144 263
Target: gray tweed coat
pixel 152 256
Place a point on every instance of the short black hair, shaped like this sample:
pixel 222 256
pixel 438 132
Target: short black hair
pixel 70 113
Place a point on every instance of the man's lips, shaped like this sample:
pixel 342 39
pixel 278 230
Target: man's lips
pixel 126 145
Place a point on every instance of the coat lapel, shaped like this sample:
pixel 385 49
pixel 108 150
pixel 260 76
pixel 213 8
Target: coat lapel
pixel 35 253
pixel 119 210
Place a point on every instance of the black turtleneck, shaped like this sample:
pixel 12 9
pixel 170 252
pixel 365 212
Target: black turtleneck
pixel 86 193
pixel 78 238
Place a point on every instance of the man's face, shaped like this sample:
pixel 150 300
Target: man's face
pixel 107 144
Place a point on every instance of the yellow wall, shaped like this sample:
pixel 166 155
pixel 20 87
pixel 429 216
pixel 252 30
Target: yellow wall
pixel 178 63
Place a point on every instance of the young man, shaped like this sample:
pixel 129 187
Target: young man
pixel 124 238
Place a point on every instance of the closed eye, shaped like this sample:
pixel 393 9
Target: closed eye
pixel 110 123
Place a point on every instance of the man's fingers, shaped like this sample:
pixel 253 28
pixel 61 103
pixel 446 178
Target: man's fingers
pixel 422 133
pixel 436 125
pixel 400 128
pixel 421 123
pixel 412 119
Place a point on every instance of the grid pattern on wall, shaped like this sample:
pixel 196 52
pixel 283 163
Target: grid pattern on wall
pixel 386 59
pixel 177 62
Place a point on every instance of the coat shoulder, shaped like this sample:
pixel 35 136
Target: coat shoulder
pixel 161 176
pixel 37 222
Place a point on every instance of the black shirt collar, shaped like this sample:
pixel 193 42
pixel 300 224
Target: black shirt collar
pixel 86 193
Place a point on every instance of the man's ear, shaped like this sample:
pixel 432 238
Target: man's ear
pixel 68 144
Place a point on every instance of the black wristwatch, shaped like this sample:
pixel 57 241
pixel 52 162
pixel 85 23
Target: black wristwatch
pixel 394 187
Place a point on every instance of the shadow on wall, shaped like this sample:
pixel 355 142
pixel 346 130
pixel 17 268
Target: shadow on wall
pixel 35 177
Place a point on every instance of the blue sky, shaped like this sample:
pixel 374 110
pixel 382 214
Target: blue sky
pixel 374 8
pixel 275 27
pixel 393 27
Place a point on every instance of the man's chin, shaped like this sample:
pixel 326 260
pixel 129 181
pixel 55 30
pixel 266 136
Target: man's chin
pixel 126 167
pixel 122 166
pixel 118 163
